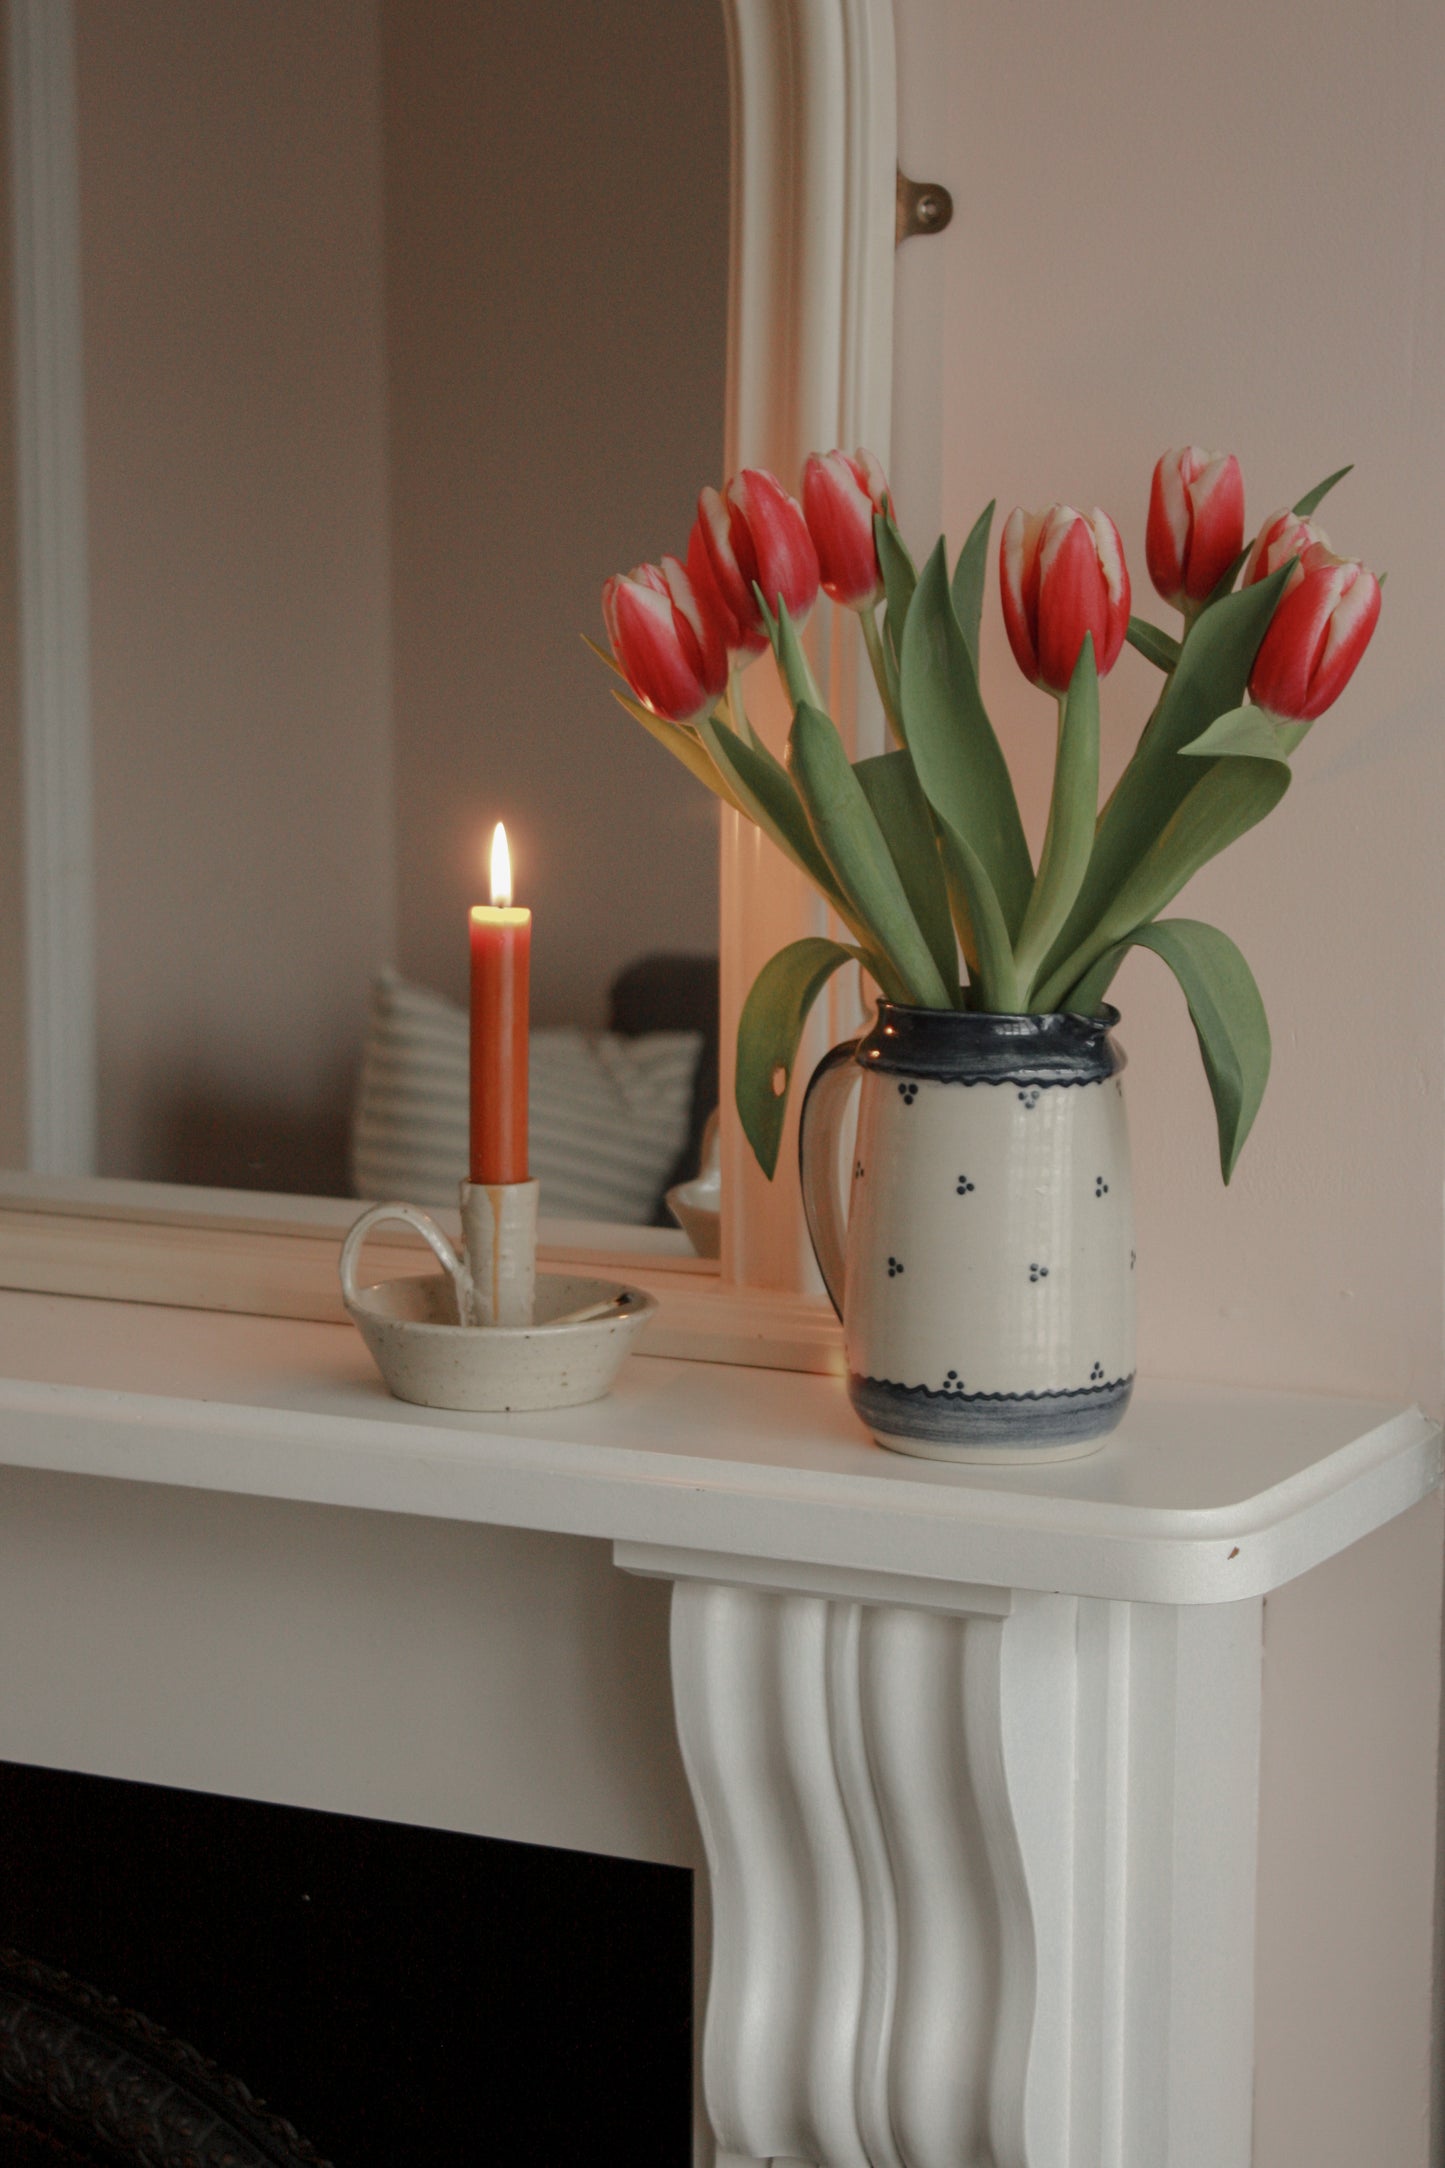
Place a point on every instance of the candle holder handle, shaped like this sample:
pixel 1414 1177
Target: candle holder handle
pixel 411 1216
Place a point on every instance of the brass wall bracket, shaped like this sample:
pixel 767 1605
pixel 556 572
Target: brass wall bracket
pixel 923 207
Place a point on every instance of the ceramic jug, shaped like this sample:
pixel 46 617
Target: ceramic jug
pixel 983 1262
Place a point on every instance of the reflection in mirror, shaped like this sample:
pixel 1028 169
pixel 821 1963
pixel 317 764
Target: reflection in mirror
pixel 403 319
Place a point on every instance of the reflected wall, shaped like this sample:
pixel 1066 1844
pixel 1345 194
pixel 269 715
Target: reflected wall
pixel 405 324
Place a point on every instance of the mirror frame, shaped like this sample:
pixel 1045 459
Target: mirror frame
pixel 812 94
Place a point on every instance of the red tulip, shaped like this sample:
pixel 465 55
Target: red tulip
pixel 1196 523
pixel 1317 635
pixel 1284 536
pixel 841 493
pixel 754 532
pixel 668 648
pixel 1063 575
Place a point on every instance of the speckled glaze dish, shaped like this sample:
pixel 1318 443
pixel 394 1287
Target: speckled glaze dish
pixel 410 1325
pixel 983 1265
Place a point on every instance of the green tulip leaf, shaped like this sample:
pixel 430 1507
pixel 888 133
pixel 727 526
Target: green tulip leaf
pixel 982 930
pixel 1229 799
pixel 969 575
pixel 1314 498
pixel 1073 811
pixel 788 649
pixel 769 1031
pixel 1209 679
pixel 1225 583
pixel 1226 1010
pixel 958 758
pixel 899 581
pixel 850 839
pixel 763 791
pixel 1247 733
pixel 685 745
pixel 891 787
pixel 1160 648
pixel 899 575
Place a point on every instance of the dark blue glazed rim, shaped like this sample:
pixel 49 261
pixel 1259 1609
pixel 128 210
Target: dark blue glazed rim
pixel 962 1046
pixel 975 1419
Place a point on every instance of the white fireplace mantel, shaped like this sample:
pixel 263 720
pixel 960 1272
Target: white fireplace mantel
pixel 1206 1496
pixel 975 1754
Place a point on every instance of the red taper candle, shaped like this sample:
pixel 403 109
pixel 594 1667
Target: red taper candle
pixel 501 968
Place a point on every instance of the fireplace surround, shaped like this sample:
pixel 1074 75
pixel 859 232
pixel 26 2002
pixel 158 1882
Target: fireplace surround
pixel 974 1756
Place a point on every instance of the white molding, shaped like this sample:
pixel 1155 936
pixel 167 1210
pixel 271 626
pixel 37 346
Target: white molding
pixel 983 1885
pixel 855 1584
pixel 278 1256
pixel 810 365
pixel 54 591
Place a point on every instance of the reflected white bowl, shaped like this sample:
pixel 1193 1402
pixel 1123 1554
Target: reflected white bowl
pixel 697 1208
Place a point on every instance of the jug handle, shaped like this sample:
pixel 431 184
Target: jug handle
pixel 819 1128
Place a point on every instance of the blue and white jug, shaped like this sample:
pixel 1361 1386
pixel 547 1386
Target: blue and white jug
pixel 983 1265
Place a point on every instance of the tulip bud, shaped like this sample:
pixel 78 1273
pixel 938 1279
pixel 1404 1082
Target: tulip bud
pixel 1196 524
pixel 1284 536
pixel 668 648
pixel 755 533
pixel 1062 576
pixel 1317 635
pixel 841 494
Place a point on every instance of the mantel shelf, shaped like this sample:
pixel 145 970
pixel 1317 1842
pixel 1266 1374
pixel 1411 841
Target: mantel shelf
pixel 1205 1495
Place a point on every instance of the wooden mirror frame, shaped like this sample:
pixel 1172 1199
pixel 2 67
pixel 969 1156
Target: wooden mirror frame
pixel 810 339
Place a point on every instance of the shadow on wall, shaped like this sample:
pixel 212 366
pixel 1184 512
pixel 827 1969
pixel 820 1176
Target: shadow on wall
pixel 208 1130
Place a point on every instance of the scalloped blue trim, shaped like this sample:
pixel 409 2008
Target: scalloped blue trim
pixel 1032 1077
pixel 943 1417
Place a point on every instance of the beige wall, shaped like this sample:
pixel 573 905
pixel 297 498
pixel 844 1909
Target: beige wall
pixel 1231 228
pixel 232 267
pixel 557 268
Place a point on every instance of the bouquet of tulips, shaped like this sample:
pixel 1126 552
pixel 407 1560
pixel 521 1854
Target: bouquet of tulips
pixel 920 851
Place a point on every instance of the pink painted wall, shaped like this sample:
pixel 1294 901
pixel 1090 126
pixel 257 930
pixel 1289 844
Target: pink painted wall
pixel 1235 237
pixel 1231 230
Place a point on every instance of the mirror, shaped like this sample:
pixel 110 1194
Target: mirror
pixel 404 324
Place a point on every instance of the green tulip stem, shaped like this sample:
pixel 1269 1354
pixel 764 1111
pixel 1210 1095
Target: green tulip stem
pixel 873 641
pixel 1069 841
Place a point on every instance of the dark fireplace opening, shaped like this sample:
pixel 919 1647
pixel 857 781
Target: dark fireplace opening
pixel 405 1998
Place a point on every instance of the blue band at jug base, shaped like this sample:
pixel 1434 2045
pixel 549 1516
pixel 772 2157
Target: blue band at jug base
pixel 975 1419
pixel 964 1046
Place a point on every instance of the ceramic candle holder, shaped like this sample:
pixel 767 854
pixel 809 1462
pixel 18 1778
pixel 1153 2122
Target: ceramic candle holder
pixel 499 1246
pixel 484 1336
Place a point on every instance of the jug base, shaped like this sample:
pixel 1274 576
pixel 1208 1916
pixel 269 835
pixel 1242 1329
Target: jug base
pixel 990 1429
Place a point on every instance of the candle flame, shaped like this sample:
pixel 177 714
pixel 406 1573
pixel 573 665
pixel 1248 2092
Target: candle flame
pixel 501 867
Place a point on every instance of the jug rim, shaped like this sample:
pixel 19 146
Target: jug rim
pixel 972 1046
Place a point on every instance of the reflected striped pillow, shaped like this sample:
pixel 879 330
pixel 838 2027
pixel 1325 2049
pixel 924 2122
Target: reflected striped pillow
pixel 607 1114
